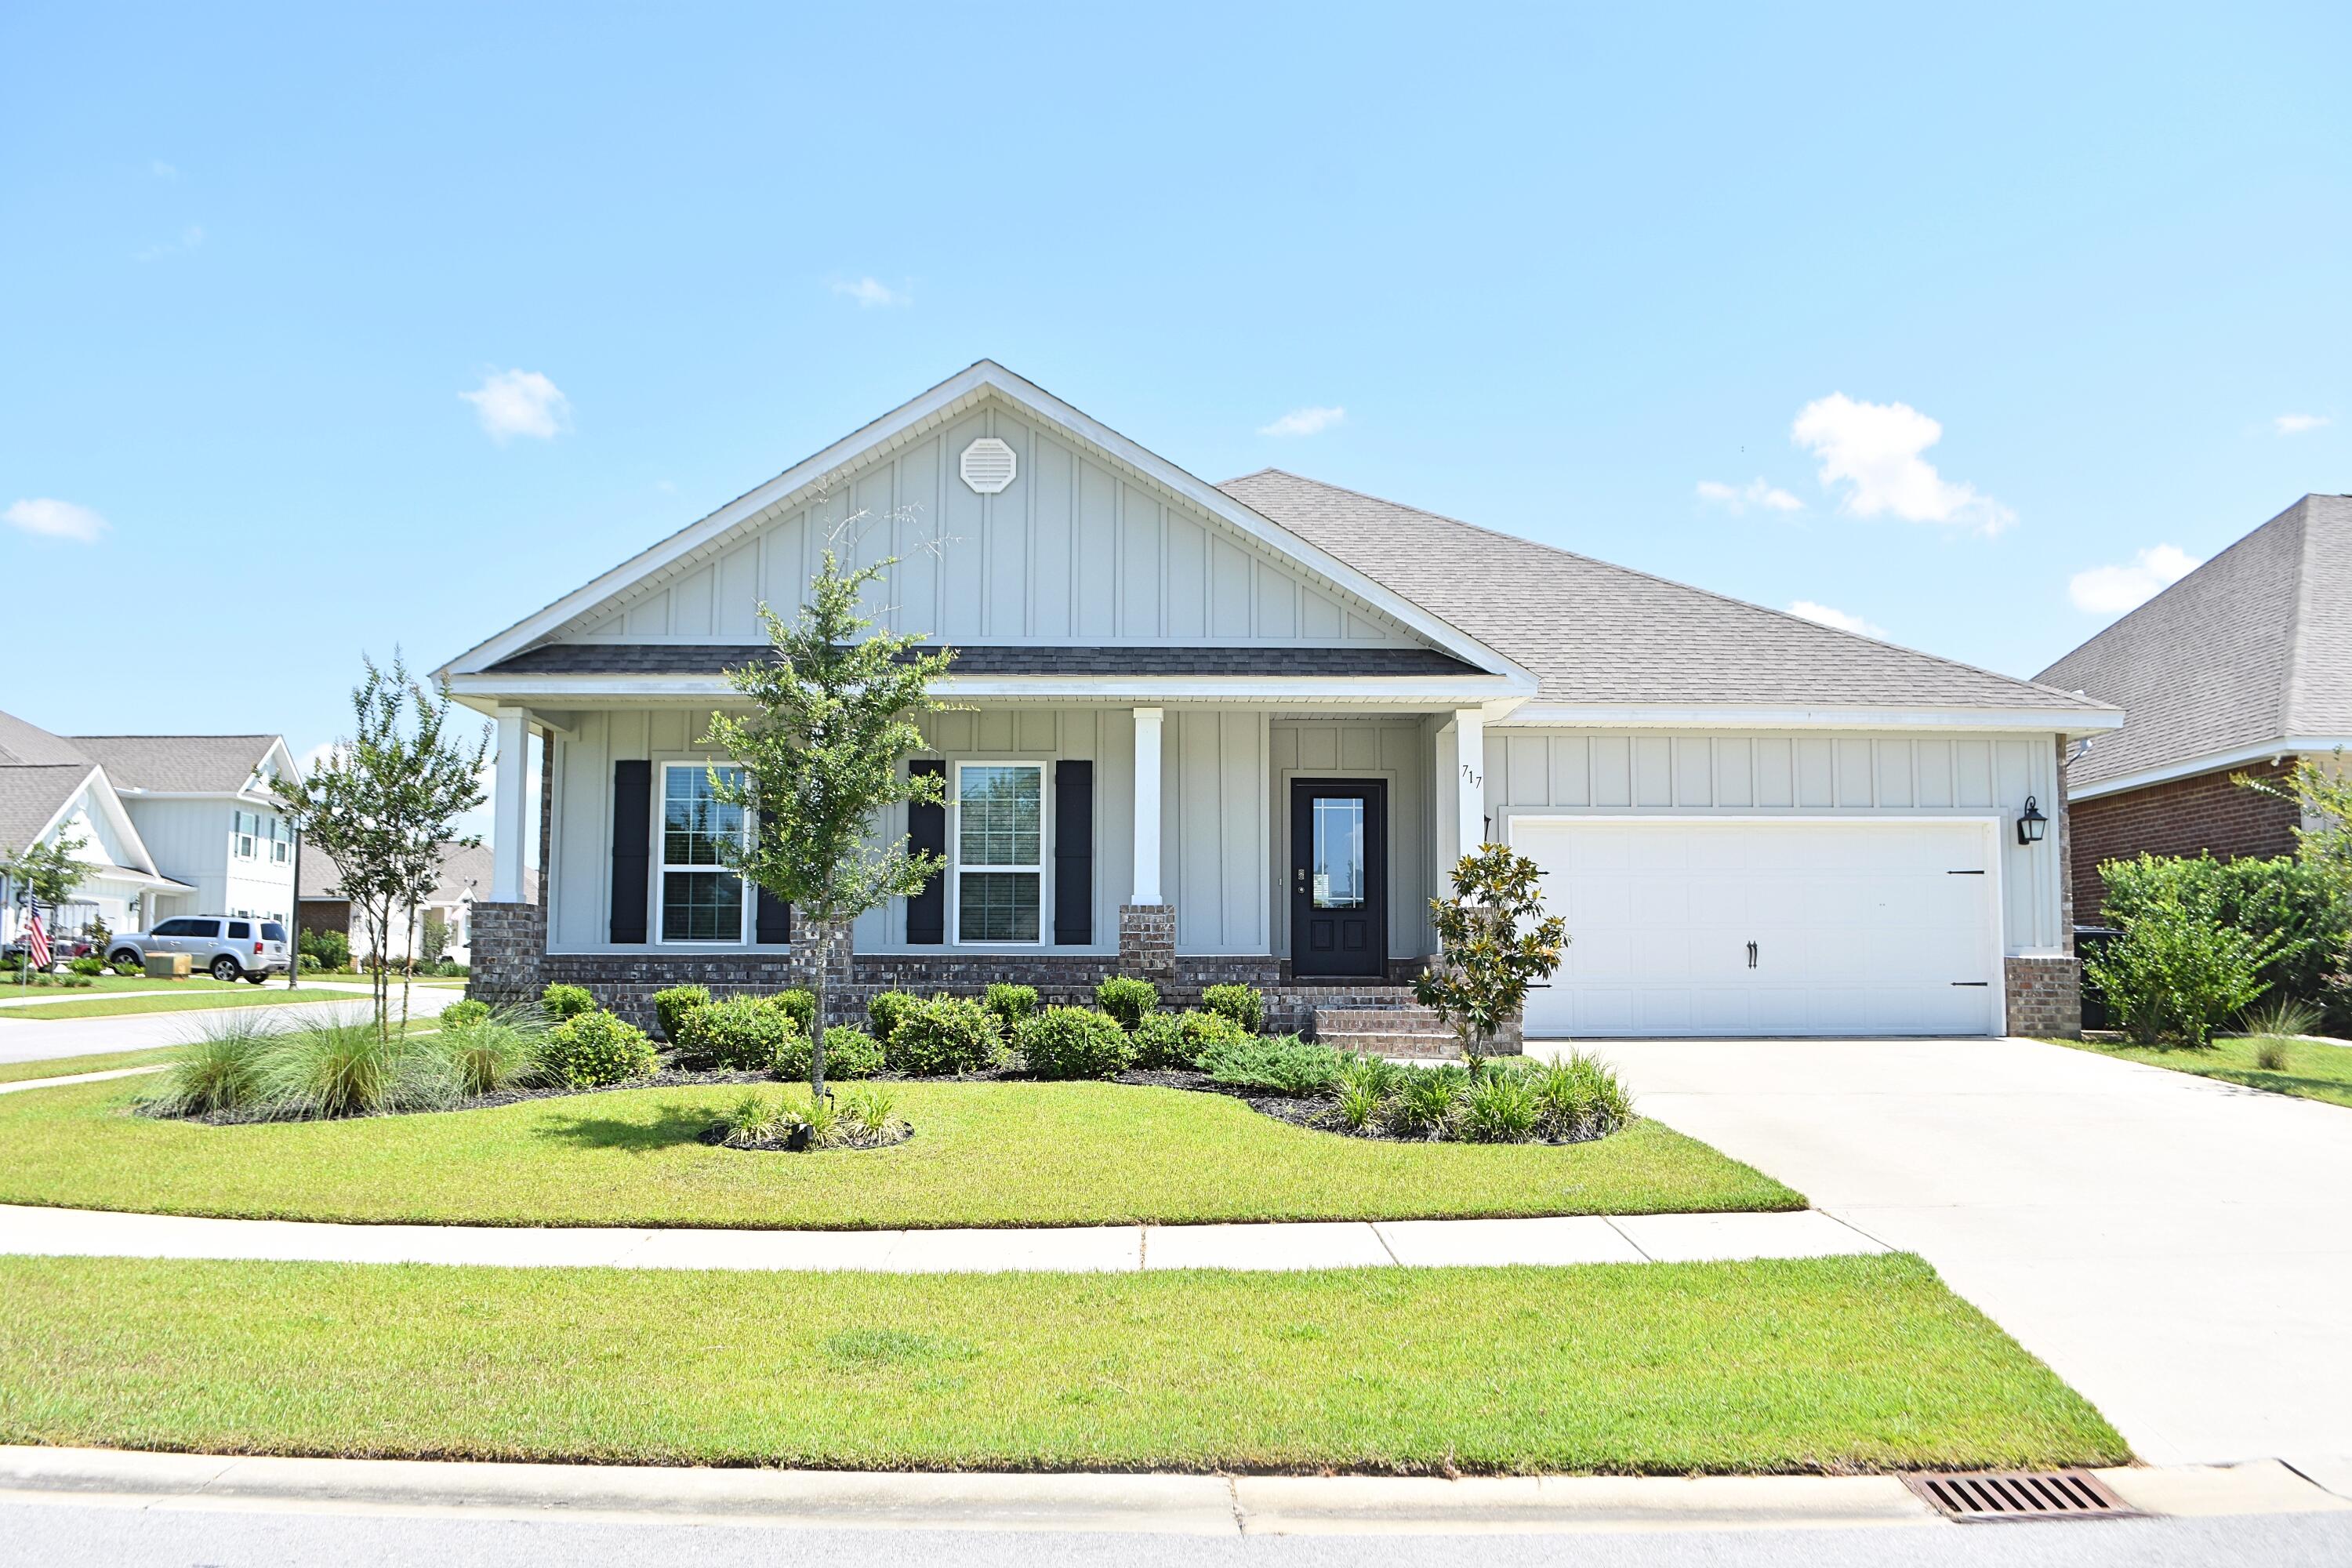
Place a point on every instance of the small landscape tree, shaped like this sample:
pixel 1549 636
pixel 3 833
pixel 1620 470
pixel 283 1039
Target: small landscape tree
pixel 384 804
pixel 1493 941
pixel 47 873
pixel 834 718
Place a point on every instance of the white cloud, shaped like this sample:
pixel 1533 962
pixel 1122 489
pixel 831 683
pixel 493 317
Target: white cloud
pixel 2111 590
pixel 56 520
pixel 190 238
pixel 1738 498
pixel 162 171
pixel 1304 422
pixel 871 291
pixel 2296 424
pixel 1874 449
pixel 1838 618
pixel 511 403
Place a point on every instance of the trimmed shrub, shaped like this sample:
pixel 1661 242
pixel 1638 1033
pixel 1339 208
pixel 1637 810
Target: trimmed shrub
pixel 1076 1042
pixel 333 948
pixel 2291 899
pixel 88 965
pixel 588 1050
pixel 798 1005
pixel 945 1034
pixel 563 1002
pixel 885 1011
pixel 1013 1004
pixel 307 961
pixel 458 1015
pixel 1159 1042
pixel 672 1004
pixel 2177 973
pixel 1242 1004
pixel 849 1053
pixel 741 1034
pixel 1127 999
pixel 1283 1063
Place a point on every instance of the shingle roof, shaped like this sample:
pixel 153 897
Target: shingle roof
pixel 2256 645
pixel 1594 633
pixel 178 764
pixel 30 794
pixel 710 659
pixel 460 868
pixel 29 745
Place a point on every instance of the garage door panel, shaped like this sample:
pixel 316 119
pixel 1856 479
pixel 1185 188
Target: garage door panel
pixel 1859 928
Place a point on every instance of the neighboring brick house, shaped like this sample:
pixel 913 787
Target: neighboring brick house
pixel 2236 670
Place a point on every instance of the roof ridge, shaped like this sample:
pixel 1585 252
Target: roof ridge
pixel 1674 583
pixel 232 735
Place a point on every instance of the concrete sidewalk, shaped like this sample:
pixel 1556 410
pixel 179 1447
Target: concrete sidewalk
pixel 46 1039
pixel 1084 1249
pixel 1199 1505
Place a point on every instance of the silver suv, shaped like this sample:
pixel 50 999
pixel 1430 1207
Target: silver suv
pixel 227 947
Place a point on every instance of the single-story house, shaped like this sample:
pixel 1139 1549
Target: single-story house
pixel 2238 670
pixel 465 877
pixel 53 791
pixel 1243 731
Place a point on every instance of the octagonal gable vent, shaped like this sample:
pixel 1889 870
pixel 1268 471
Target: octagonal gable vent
pixel 988 466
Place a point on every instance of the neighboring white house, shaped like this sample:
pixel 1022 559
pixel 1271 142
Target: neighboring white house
pixel 52 790
pixel 465 878
pixel 202 804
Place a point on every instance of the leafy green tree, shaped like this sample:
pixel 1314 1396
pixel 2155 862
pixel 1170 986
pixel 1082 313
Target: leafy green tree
pixel 2179 974
pixel 834 718
pixel 1493 941
pixel 384 804
pixel 49 872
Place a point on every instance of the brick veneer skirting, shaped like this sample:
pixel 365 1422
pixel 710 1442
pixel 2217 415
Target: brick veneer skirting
pixel 509 950
pixel 2203 815
pixel 2045 996
pixel 1147 940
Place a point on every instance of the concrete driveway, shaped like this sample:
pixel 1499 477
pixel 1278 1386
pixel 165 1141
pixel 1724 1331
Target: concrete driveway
pixel 2180 1250
pixel 37 1040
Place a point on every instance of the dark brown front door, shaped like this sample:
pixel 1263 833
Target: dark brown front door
pixel 1338 878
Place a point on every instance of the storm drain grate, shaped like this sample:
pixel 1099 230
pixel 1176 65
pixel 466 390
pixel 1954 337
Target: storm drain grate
pixel 2021 1494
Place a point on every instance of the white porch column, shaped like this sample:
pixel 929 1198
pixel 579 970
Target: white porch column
pixel 1146 807
pixel 1470 777
pixel 506 811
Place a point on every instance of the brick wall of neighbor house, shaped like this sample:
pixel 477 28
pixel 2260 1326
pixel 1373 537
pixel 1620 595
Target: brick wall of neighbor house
pixel 509 952
pixel 324 915
pixel 2045 996
pixel 2204 814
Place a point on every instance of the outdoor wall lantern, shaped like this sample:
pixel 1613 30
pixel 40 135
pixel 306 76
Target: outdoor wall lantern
pixel 2031 822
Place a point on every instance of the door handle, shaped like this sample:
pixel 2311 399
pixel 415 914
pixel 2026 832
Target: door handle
pixel 1751 956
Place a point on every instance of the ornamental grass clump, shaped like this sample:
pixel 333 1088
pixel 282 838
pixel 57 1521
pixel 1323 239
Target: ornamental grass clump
pixel 943 1036
pixel 219 1069
pixel 1076 1043
pixel 329 1070
pixel 591 1050
pixel 1423 1102
pixel 492 1052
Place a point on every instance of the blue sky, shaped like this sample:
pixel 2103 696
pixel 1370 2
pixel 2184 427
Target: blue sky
pixel 1973 328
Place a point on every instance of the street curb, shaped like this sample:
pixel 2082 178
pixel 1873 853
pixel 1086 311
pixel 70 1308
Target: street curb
pixel 1149 1503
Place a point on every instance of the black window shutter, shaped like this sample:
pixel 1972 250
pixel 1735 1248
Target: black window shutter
pixel 1074 854
pixel 771 921
pixel 633 822
pixel 927 829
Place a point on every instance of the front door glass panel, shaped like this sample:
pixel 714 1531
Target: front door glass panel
pixel 1339 864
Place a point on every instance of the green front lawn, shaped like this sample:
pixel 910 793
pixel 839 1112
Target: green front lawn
pixel 2313 1071
pixel 66 1066
pixel 234 995
pixel 989 1153
pixel 110 983
pixel 1834 1364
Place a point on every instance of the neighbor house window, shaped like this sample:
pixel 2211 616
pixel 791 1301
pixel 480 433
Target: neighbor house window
pixel 1000 845
pixel 248 825
pixel 700 899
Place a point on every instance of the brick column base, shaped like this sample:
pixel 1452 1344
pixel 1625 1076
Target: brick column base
pixel 508 950
pixel 1147 943
pixel 828 946
pixel 2045 996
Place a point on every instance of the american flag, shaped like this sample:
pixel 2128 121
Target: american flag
pixel 37 941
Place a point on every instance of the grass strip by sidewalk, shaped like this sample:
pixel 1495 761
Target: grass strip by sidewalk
pixel 1820 1364
pixel 996 1154
pixel 142 1004
pixel 66 1066
pixel 2315 1070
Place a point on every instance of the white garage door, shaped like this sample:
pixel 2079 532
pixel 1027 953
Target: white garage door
pixel 1769 928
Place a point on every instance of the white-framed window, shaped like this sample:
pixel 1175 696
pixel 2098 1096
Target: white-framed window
pixel 697 898
pixel 280 851
pixel 998 853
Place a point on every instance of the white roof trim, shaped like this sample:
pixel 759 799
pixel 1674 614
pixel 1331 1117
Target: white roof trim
pixel 109 801
pixel 985 376
pixel 1744 716
pixel 2211 762
pixel 485 692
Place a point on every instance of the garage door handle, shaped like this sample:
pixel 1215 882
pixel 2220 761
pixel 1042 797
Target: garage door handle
pixel 1751 956
pixel 1980 985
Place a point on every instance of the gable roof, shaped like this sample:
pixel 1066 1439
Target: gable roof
pixel 948 400
pixel 1601 635
pixel 179 764
pixel 31 796
pixel 2249 651
pixel 29 745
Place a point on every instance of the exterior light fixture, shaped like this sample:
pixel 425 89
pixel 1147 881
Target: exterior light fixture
pixel 2031 823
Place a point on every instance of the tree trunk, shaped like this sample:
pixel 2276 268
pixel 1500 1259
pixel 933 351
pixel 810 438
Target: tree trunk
pixel 408 970
pixel 817 1043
